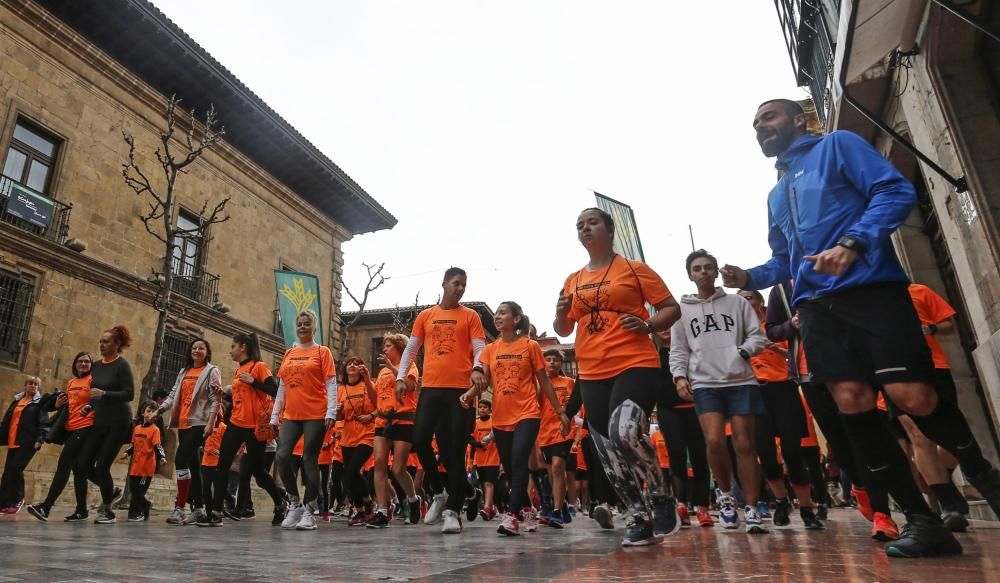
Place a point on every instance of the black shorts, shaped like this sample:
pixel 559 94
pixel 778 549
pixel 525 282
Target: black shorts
pixel 396 432
pixel 869 334
pixel 554 450
pixel 784 407
pixel 571 463
pixel 489 474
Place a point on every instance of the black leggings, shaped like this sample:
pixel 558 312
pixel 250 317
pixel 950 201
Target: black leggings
pixel 137 487
pixel 515 448
pixel 814 465
pixel 232 439
pixel 312 432
pixel 439 413
pixel 12 481
pixel 336 483
pixel 686 444
pixel 324 487
pixel 786 419
pixel 597 481
pixel 72 446
pixel 187 460
pixel 354 482
pixel 244 501
pixel 98 452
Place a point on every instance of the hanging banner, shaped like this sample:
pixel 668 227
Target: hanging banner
pixel 627 242
pixel 30 206
pixel 297 292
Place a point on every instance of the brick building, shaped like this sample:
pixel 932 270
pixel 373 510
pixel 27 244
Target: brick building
pixel 73 76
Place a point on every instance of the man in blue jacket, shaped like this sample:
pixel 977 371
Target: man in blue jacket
pixel 830 218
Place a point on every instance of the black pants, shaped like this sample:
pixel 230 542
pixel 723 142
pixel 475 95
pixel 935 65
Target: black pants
pixel 243 499
pixel 439 413
pixel 597 481
pixel 324 487
pixel 515 448
pixel 137 487
pixel 686 445
pixel 188 459
pixel 336 484
pixel 97 454
pixel 312 432
pixel 785 418
pixel 354 482
pixel 254 461
pixel 12 481
pixel 72 446
pixel 814 465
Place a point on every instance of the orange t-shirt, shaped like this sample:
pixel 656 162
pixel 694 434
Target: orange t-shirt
pixel 210 457
pixel 811 439
pixel 304 372
pixel 78 392
pixel 15 422
pixel 661 449
pixel 329 443
pixel 248 401
pixel 550 431
pixel 931 309
pixel 447 336
pixel 513 368
pixel 186 394
pixel 385 390
pixel 488 456
pixel 581 460
pixel 144 442
pixel 356 403
pixel 603 348
pixel 769 366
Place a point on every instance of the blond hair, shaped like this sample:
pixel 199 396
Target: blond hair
pixel 396 339
pixel 313 318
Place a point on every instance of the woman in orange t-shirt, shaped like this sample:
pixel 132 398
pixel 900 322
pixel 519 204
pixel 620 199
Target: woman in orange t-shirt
pixel 74 431
pixel 515 366
pixel 306 405
pixel 620 369
pixel 356 406
pixel 394 431
pixel 193 403
pixel 23 430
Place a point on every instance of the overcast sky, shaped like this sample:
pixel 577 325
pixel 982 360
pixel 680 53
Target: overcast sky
pixel 484 126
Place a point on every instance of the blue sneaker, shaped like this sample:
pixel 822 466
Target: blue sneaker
pixel 727 511
pixel 567 513
pixel 763 510
pixel 754 524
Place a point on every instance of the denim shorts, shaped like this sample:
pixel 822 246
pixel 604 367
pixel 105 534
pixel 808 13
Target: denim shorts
pixel 740 400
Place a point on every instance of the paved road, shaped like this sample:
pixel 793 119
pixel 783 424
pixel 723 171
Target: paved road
pixel 254 551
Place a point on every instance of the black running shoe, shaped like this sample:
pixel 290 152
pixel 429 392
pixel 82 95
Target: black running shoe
pixel 988 484
pixel 117 495
pixel 279 514
pixel 378 520
pixel 809 519
pixel 105 517
pixel 39 511
pixel 413 512
pixel 782 509
pixel 953 520
pixel 78 516
pixel 232 514
pixel 640 533
pixel 665 519
pixel 923 536
pixel 821 512
pixel 472 505
pixel 214 519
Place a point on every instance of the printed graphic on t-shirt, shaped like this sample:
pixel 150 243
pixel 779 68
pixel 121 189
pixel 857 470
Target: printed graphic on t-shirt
pixel 443 337
pixel 594 296
pixel 293 371
pixel 507 374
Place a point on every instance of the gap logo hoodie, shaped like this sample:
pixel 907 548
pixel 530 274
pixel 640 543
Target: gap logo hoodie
pixel 705 341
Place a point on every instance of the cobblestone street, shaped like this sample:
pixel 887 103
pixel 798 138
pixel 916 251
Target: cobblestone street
pixel 254 551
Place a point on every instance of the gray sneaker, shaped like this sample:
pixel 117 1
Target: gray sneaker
pixel 307 522
pixel 293 516
pixel 177 517
pixel 199 518
pixel 436 508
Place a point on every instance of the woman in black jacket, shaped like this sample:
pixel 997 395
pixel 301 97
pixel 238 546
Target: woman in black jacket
pixel 22 430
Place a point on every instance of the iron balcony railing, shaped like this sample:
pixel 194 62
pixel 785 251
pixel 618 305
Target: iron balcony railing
pixel 191 282
pixel 810 31
pixel 33 212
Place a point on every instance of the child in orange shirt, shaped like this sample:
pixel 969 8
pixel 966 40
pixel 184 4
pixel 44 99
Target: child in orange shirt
pixel 146 451
pixel 210 469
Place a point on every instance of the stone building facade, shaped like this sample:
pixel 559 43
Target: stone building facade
pixel 73 77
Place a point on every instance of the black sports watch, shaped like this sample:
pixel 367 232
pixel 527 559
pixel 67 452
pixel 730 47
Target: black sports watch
pixel 848 242
pixel 744 354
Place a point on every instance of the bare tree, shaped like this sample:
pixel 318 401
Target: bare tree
pixel 375 280
pixel 178 149
pixel 402 319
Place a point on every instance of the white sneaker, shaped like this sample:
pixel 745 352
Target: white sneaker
pixel 176 517
pixel 452 523
pixel 307 522
pixel 436 508
pixel 727 511
pixel 753 521
pixel 293 515
pixel 529 520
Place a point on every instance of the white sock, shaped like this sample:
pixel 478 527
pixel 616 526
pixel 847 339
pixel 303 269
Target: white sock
pixel 383 511
pixel 412 499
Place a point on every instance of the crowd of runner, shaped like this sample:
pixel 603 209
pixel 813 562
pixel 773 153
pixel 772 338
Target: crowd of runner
pixel 669 395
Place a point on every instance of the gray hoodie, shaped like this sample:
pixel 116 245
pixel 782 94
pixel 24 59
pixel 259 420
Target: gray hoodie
pixel 705 341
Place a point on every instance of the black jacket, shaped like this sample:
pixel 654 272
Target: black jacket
pixel 34 424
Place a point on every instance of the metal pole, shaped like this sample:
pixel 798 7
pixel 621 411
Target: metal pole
pixel 691 235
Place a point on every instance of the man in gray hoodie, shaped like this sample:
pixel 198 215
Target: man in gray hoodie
pixel 712 343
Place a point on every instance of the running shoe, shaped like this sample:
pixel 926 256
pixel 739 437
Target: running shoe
pixel 292 516
pixel 782 510
pixel 682 513
pixel 232 514
pixel 117 495
pixel 5 509
pixel 378 520
pixel 572 510
pixel 821 512
pixel 412 512
pixel 346 511
pixel 727 511
pixel 307 521
pixel 488 513
pixel 105 517
pixel 754 524
pixel 279 513
pixel 135 517
pixel 193 518
pixel 78 516
pixel 176 517
pixel 988 485
pixel 864 504
pixel 924 536
pixel 567 516
pixel 884 528
pixel 360 518
pixel 436 508
pixel 640 533
pixel 39 511
pixel 14 508
pixel 529 519
pixel 763 510
pixel 452 524
pixel 555 519
pixel 248 514
pixel 472 505
pixel 665 517
pixel 325 517
pixel 809 518
pixel 953 520
pixel 704 518
pixel 215 519
pixel 509 525
pixel 603 516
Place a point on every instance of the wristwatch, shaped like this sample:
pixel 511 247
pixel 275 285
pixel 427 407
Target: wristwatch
pixel 649 326
pixel 932 328
pixel 744 354
pixel 478 367
pixel 848 242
